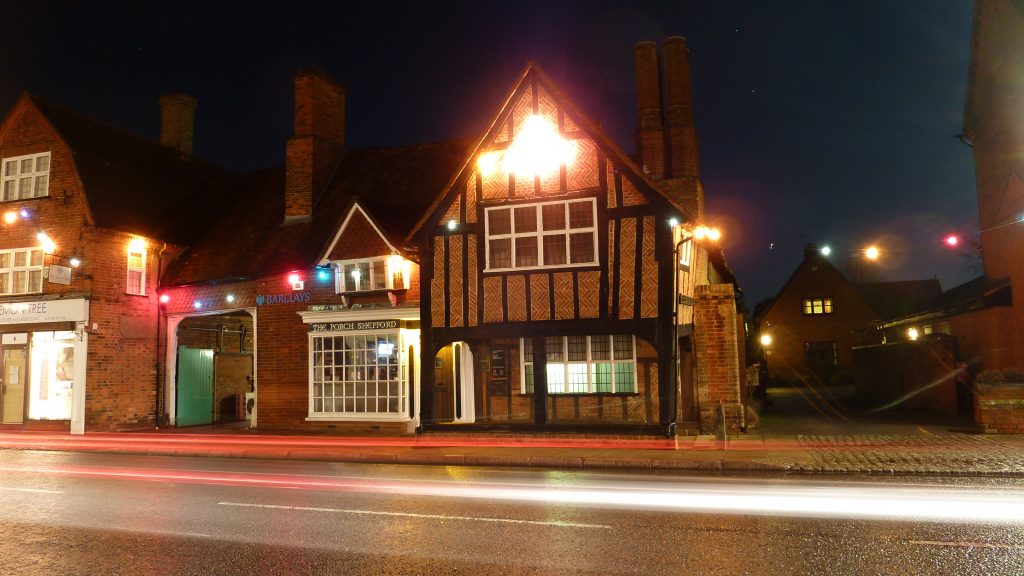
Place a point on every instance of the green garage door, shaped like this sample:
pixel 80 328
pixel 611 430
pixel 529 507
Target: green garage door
pixel 195 387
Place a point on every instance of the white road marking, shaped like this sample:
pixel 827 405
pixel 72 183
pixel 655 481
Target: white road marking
pixel 32 490
pixel 967 544
pixel 413 515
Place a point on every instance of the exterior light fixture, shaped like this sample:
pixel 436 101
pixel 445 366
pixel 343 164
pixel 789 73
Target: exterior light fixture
pixel 296 281
pixel 323 273
pixel 452 224
pixel 164 298
pixel 825 250
pixel 951 240
pixel 538 149
pixel 673 222
pixel 912 333
pixel 293 278
pixel 48 245
pixel 137 245
pixel 714 234
pixel 197 304
pixel 23 213
pixel 75 262
pixel 766 340
pixel 487 163
pixel 230 298
pixel 10 217
pixel 872 253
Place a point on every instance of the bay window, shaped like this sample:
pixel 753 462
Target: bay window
pixel 358 375
pixel 385 273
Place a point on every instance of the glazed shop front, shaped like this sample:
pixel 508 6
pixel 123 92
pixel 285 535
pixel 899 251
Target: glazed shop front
pixel 42 364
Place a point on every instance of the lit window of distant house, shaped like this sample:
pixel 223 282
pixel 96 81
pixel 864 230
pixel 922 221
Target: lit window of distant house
pixel 814 306
pixel 542 235
pixel 927 328
pixel 21 271
pixel 136 269
pixel 944 328
pixel 584 364
pixel 26 176
pixel 385 273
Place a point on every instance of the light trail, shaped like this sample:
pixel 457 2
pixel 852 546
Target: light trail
pixel 793 498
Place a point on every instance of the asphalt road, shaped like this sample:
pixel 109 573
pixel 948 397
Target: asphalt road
pixel 82 513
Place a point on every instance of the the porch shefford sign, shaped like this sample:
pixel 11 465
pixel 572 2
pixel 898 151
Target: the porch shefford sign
pixel 361 325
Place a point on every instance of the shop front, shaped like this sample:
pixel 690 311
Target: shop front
pixel 43 347
pixel 363 365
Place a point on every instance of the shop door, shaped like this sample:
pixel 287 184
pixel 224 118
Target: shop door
pixel 194 404
pixel 444 386
pixel 12 398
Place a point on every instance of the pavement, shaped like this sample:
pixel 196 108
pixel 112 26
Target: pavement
pixel 799 432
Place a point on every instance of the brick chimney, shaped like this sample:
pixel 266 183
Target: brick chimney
pixel 683 169
pixel 312 153
pixel 177 122
pixel 649 132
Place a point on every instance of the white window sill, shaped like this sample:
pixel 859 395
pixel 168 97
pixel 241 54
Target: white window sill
pixel 368 417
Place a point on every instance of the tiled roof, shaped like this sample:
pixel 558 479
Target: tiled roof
pixel 395 185
pixel 133 184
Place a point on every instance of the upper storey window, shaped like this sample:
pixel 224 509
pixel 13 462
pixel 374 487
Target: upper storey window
pixel 26 176
pixel 815 306
pixel 369 274
pixel 542 235
pixel 21 271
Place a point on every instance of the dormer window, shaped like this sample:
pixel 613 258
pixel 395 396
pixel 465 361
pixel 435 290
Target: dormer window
pixel 26 176
pixel 372 274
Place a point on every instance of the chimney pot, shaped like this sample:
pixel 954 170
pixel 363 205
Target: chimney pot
pixel 177 122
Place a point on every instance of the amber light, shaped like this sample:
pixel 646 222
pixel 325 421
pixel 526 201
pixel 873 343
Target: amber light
pixel 538 149
pixel 136 245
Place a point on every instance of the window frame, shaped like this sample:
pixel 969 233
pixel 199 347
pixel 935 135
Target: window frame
pixel 129 269
pixel 827 306
pixel 404 380
pixel 341 280
pixel 19 176
pixel 590 362
pixel 808 345
pixel 28 268
pixel 539 233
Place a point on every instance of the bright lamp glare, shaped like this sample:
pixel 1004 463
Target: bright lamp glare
pixel 766 339
pixel 47 244
pixel 912 333
pixel 871 253
pixel 164 298
pixel 952 240
pixel 293 278
pixel 137 245
pixel 825 250
pixel 75 262
pixel 714 234
pixel 10 217
pixel 488 162
pixel 538 149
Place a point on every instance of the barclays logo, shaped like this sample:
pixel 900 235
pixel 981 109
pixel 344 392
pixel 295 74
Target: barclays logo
pixel 259 299
pixel 288 298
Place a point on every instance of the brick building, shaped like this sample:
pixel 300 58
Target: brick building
pixel 818 316
pixel 291 296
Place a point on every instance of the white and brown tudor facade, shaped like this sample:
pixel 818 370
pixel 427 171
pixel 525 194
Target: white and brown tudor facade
pixel 535 278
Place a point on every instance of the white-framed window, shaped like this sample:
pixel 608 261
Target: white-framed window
pixel 358 375
pixel 815 306
pixel 136 271
pixel 554 234
pixel 21 271
pixel 385 273
pixel 26 176
pixel 686 253
pixel 584 364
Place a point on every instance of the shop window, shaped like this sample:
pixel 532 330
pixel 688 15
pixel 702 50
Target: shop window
pixel 26 176
pixel 357 375
pixel 386 273
pixel 136 271
pixel 584 364
pixel 21 271
pixel 542 235
pixel 815 306
pixel 53 372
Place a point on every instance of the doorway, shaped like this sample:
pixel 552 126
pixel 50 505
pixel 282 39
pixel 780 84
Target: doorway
pixel 195 386
pixel 12 382
pixel 453 384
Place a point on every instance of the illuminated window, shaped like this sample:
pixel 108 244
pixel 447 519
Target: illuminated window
pixel 927 328
pixel 386 273
pixel 685 253
pixel 358 374
pixel 137 269
pixel 814 306
pixel 26 176
pixel 543 235
pixel 53 373
pixel 21 271
pixel 944 328
pixel 584 364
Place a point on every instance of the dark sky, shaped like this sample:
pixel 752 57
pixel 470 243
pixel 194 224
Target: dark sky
pixel 820 122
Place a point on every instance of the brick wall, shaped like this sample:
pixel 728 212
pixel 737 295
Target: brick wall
pixel 999 408
pixel 716 348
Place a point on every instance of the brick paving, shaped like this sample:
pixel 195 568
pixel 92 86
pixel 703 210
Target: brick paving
pixel 910 454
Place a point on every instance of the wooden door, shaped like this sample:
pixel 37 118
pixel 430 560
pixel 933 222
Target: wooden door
pixel 12 398
pixel 444 386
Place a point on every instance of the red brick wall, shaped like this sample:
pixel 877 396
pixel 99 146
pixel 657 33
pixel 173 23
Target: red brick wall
pixel 999 408
pixel 716 348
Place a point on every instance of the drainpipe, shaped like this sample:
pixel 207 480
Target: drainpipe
pixel 159 373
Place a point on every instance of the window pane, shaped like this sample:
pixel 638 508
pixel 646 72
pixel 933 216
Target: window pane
pixel 18 282
pixel 528 369
pixel 600 348
pixel 41 185
pixel 828 305
pixel 11 168
pixel 25 188
pixel 26 165
pixel 36 258
pixel 43 163
pixel 577 378
pixel 135 260
pixel 807 307
pixel 380 277
pixel 526 219
pixel 528 349
pixel 364 275
pixel 602 376
pixel 553 345
pixel 526 251
pixel 581 214
pixel 5 282
pixel 623 346
pixel 577 347
pixel 20 258
pixel 35 281
pixel 554 250
pixel 556 378
pixel 134 282
pixel 9 191
pixel 501 253
pixel 5 260
pixel 624 378
pixel 499 221
pixel 553 216
pixel 581 248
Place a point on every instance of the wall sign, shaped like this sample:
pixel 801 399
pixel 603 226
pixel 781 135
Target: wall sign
pixel 59 274
pixel 285 298
pixel 71 310
pixel 360 325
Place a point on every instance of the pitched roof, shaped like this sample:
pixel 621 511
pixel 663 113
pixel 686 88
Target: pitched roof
pixel 894 299
pixel 394 185
pixel 132 184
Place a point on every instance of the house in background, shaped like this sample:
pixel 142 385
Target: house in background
pixel 819 316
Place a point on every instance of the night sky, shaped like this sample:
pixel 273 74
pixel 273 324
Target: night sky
pixel 820 122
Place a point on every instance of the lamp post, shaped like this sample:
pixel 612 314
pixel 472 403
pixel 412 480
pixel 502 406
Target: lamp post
pixel 766 343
